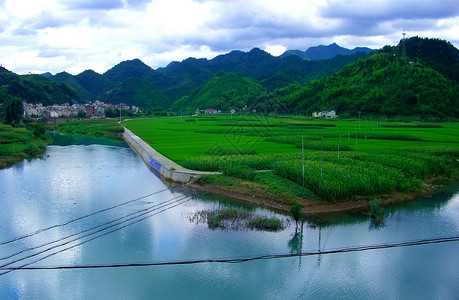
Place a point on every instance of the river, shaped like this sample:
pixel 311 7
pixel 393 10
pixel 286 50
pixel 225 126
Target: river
pixel 77 180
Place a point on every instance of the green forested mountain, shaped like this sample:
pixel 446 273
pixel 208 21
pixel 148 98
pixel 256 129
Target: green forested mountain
pixel 223 91
pixel 438 54
pixel 387 84
pixel 138 92
pixel 34 89
pixel 425 83
pixel 129 69
pixel 64 77
pixel 95 83
pixel 180 79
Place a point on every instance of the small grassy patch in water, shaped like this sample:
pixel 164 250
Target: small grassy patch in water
pixel 237 219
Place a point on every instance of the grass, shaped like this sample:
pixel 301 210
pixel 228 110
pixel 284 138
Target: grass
pixel 374 157
pixel 234 218
pixel 94 127
pixel 17 144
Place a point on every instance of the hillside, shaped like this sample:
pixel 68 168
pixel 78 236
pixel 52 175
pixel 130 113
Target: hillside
pixel 64 77
pixel 138 92
pixel 224 91
pixel 440 55
pixel 35 89
pixel 384 84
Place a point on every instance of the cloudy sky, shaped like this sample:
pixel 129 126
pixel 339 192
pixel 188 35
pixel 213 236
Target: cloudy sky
pixel 73 35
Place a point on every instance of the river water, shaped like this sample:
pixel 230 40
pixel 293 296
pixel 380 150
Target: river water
pixel 78 180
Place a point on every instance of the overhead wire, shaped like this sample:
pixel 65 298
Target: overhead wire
pixel 159 206
pixel 149 215
pixel 90 229
pixel 246 259
pixel 79 218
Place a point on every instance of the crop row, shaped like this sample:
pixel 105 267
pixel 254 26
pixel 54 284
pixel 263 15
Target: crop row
pixel 333 178
pixel 309 142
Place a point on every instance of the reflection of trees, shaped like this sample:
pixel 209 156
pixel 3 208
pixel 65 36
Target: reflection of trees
pixel 377 223
pixel 295 244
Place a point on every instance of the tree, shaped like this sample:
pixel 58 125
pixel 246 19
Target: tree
pixel 39 130
pixel 81 114
pixel 12 110
pixel 295 211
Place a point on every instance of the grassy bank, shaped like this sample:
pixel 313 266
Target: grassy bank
pixel 17 144
pixel 344 159
pixel 92 127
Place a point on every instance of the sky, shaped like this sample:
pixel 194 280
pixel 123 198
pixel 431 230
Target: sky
pixel 38 36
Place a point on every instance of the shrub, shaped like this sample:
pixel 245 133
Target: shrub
pixel 265 223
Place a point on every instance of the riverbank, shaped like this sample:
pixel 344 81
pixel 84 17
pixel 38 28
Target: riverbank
pixel 18 143
pixel 257 194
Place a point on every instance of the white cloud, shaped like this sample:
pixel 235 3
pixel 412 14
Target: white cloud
pixel 57 35
pixel 275 50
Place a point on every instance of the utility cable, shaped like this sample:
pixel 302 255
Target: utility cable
pixel 241 260
pixel 79 218
pixel 84 236
pixel 90 229
pixel 145 216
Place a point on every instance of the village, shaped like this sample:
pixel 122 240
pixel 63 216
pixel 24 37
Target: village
pixel 94 110
pixel 329 114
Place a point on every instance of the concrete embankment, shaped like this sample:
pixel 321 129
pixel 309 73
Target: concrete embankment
pixel 164 166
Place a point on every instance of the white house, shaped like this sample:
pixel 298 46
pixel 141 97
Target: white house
pixel 211 111
pixel 316 114
pixel 329 114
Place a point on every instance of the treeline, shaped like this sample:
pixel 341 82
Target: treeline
pixel 34 89
pixel 382 84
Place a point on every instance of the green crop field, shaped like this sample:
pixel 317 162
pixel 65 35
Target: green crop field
pixel 343 158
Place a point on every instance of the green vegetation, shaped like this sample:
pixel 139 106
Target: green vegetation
pixel 295 211
pixel 137 92
pixel 376 211
pixel 19 143
pixel 224 92
pixel 95 127
pixel 233 218
pixel 265 223
pixel 374 157
pixel 383 83
pixel 34 89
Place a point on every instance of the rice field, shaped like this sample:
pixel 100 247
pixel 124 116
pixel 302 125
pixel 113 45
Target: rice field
pixel 342 158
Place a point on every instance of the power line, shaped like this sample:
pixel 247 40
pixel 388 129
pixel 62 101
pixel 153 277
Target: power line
pixel 147 214
pixel 179 202
pixel 79 218
pixel 146 210
pixel 253 258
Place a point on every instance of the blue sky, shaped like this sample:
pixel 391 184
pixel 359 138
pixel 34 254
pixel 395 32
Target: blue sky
pixel 74 35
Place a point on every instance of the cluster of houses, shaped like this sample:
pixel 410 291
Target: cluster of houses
pixel 92 110
pixel 330 114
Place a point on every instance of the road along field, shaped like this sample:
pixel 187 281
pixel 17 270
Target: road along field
pixel 343 159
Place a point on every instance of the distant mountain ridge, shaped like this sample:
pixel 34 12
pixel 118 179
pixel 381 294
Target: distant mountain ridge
pixel 179 79
pixel 325 52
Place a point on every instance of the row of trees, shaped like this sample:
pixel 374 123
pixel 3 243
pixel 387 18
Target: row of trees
pixel 11 111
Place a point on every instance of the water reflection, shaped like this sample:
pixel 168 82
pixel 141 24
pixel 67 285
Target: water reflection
pixel 78 180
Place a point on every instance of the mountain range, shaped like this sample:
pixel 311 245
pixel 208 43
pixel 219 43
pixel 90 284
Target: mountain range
pixel 424 82
pixel 325 52
pixel 134 83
